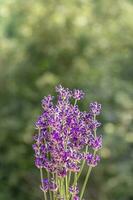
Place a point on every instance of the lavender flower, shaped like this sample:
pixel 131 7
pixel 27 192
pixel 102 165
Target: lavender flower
pixel 74 190
pixel 53 186
pixel 78 94
pixel 95 142
pixel 64 132
pixel 92 160
pixel 95 108
pixel 47 102
pixel 45 185
pixel 76 197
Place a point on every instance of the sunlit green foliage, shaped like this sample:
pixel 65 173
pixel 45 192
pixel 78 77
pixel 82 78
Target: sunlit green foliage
pixel 78 43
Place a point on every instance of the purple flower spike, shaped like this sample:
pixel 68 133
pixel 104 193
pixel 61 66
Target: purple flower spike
pixel 76 197
pixel 53 186
pixel 95 108
pixel 92 160
pixel 45 185
pixel 59 89
pixel 47 102
pixel 74 190
pixel 94 124
pixel 95 143
pixel 62 172
pixel 78 94
pixel 64 94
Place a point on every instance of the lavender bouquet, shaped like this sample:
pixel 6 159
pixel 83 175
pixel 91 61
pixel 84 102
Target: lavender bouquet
pixel 66 140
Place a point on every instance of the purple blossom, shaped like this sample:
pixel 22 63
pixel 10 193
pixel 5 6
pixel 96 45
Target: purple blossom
pixel 62 172
pixel 92 160
pixel 95 142
pixel 45 185
pixel 48 185
pixel 78 94
pixel 94 124
pixel 53 186
pixel 74 190
pixel 95 108
pixel 47 102
pixel 76 197
pixel 64 94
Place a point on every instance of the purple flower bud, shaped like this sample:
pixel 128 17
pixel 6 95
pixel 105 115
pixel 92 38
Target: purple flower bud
pixel 40 123
pixel 74 190
pixel 76 197
pixel 78 94
pixel 45 185
pixel 94 124
pixel 47 102
pixel 64 94
pixel 91 159
pixel 62 172
pixel 59 89
pixel 95 108
pixel 72 166
pixel 38 162
pixel 95 143
pixel 53 186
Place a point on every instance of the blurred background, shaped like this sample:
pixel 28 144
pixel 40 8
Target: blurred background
pixel 82 44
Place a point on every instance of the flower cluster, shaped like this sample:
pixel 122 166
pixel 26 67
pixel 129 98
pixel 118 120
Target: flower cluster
pixel 64 132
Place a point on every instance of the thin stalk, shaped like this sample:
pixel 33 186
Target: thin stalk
pixel 50 194
pixel 69 181
pixel 75 179
pixel 53 191
pixel 41 175
pixel 69 177
pixel 66 181
pixel 86 179
pixel 84 185
pixel 74 183
pixel 82 166
pixel 61 187
pixel 75 102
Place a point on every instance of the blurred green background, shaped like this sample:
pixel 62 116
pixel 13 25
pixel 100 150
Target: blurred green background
pixel 83 44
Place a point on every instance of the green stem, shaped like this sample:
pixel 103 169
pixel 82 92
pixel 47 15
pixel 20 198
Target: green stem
pixel 84 185
pixel 74 182
pixel 50 194
pixel 62 187
pixel 69 177
pixel 75 102
pixel 75 179
pixel 53 191
pixel 69 181
pixel 59 185
pixel 82 166
pixel 66 187
pixel 41 175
